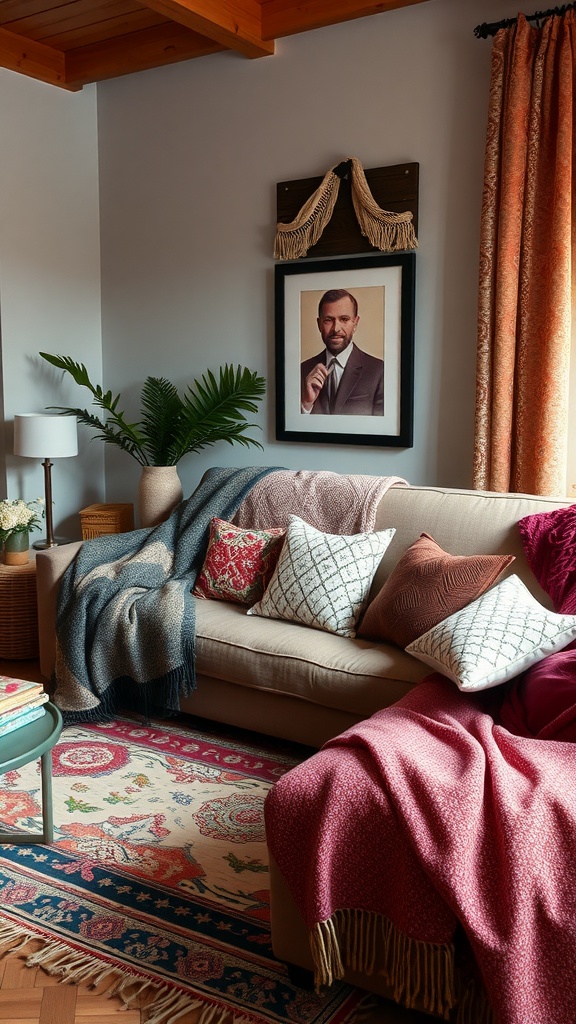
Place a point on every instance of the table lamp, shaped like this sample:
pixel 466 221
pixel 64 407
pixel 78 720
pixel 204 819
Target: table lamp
pixel 40 436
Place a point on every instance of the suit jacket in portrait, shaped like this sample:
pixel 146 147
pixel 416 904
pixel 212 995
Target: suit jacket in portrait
pixel 361 390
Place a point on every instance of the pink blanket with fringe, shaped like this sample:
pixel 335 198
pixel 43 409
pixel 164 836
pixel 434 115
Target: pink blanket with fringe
pixel 426 815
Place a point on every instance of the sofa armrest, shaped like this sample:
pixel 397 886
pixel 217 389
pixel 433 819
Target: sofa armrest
pixel 50 567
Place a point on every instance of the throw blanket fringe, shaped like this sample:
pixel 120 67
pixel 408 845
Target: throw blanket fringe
pixel 141 697
pixel 421 973
pixel 474 1007
pixel 167 1005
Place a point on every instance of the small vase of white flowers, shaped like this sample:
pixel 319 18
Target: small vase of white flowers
pixel 17 519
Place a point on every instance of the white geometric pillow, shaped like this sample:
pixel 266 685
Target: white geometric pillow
pixel 494 638
pixel 322 579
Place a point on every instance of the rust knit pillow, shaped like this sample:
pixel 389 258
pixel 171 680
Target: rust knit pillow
pixel 425 587
pixel 239 563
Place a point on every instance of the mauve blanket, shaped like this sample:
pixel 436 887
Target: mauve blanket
pixel 426 815
pixel 344 503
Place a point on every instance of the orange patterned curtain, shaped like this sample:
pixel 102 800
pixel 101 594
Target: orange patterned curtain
pixel 525 295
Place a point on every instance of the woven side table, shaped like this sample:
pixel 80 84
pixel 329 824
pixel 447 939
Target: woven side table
pixel 97 520
pixel 18 611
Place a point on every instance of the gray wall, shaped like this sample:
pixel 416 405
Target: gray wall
pixel 49 277
pixel 189 159
pixel 181 165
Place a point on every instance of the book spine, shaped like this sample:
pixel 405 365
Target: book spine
pixel 36 702
pixel 23 696
pixel 24 719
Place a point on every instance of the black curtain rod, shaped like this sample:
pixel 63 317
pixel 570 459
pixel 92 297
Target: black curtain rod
pixel 485 30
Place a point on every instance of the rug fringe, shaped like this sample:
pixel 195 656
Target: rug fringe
pixel 76 968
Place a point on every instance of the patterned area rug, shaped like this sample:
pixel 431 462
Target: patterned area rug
pixel 157 878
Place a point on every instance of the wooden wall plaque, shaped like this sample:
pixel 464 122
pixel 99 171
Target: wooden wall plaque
pixel 394 188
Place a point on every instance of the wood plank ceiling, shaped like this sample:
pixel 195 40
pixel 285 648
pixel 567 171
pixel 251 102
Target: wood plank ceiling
pixel 69 43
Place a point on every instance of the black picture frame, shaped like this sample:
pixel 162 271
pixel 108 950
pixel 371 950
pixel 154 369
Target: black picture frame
pixel 385 288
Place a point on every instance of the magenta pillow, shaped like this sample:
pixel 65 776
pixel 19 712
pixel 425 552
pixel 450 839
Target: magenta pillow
pixel 549 541
pixel 239 563
pixel 542 703
pixel 426 586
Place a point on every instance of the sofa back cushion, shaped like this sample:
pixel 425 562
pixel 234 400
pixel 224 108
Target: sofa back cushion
pixel 462 522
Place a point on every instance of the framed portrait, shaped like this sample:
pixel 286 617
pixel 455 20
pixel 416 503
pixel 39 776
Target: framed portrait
pixel 358 311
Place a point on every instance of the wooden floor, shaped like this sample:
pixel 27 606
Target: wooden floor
pixel 28 995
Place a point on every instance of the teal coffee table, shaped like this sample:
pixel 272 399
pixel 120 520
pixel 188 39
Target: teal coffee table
pixel 27 744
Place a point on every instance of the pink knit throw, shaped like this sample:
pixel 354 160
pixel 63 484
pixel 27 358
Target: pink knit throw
pixel 333 502
pixel 427 814
pixel 549 541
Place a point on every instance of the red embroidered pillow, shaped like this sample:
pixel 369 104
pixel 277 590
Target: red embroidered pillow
pixel 239 563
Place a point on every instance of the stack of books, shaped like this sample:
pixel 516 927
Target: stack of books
pixel 21 702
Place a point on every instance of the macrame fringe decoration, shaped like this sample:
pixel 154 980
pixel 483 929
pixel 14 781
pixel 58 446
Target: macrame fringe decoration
pixel 420 973
pixel 294 239
pixel 386 231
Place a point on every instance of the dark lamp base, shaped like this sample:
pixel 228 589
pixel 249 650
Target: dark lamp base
pixel 42 545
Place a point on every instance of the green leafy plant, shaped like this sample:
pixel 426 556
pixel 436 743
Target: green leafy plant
pixel 210 410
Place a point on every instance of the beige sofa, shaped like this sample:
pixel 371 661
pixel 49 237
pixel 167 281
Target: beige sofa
pixel 300 684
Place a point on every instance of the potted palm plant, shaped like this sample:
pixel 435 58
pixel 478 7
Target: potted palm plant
pixel 171 426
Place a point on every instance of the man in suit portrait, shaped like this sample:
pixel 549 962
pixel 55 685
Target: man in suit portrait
pixel 342 379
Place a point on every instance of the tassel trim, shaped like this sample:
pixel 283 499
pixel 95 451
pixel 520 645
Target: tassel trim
pixel 387 231
pixel 168 1004
pixel 421 974
pixel 294 239
pixel 384 230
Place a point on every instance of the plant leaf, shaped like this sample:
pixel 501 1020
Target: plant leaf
pixel 162 414
pixel 211 410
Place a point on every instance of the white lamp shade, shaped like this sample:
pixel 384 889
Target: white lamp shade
pixel 39 436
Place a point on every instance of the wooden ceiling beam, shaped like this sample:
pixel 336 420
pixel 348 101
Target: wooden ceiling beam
pixel 138 51
pixel 33 59
pixel 85 50
pixel 285 17
pixel 235 24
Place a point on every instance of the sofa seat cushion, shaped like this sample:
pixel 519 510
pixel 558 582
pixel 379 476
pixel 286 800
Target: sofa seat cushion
pixel 356 676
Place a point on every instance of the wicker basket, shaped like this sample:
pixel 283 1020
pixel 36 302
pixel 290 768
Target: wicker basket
pixel 18 611
pixel 97 520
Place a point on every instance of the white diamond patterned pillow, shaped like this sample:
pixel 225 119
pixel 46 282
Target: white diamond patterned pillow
pixel 322 579
pixel 494 638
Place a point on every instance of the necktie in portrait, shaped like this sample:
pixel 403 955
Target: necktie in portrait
pixel 332 384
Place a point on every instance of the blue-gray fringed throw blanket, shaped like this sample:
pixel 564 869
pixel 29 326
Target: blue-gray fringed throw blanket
pixel 125 622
